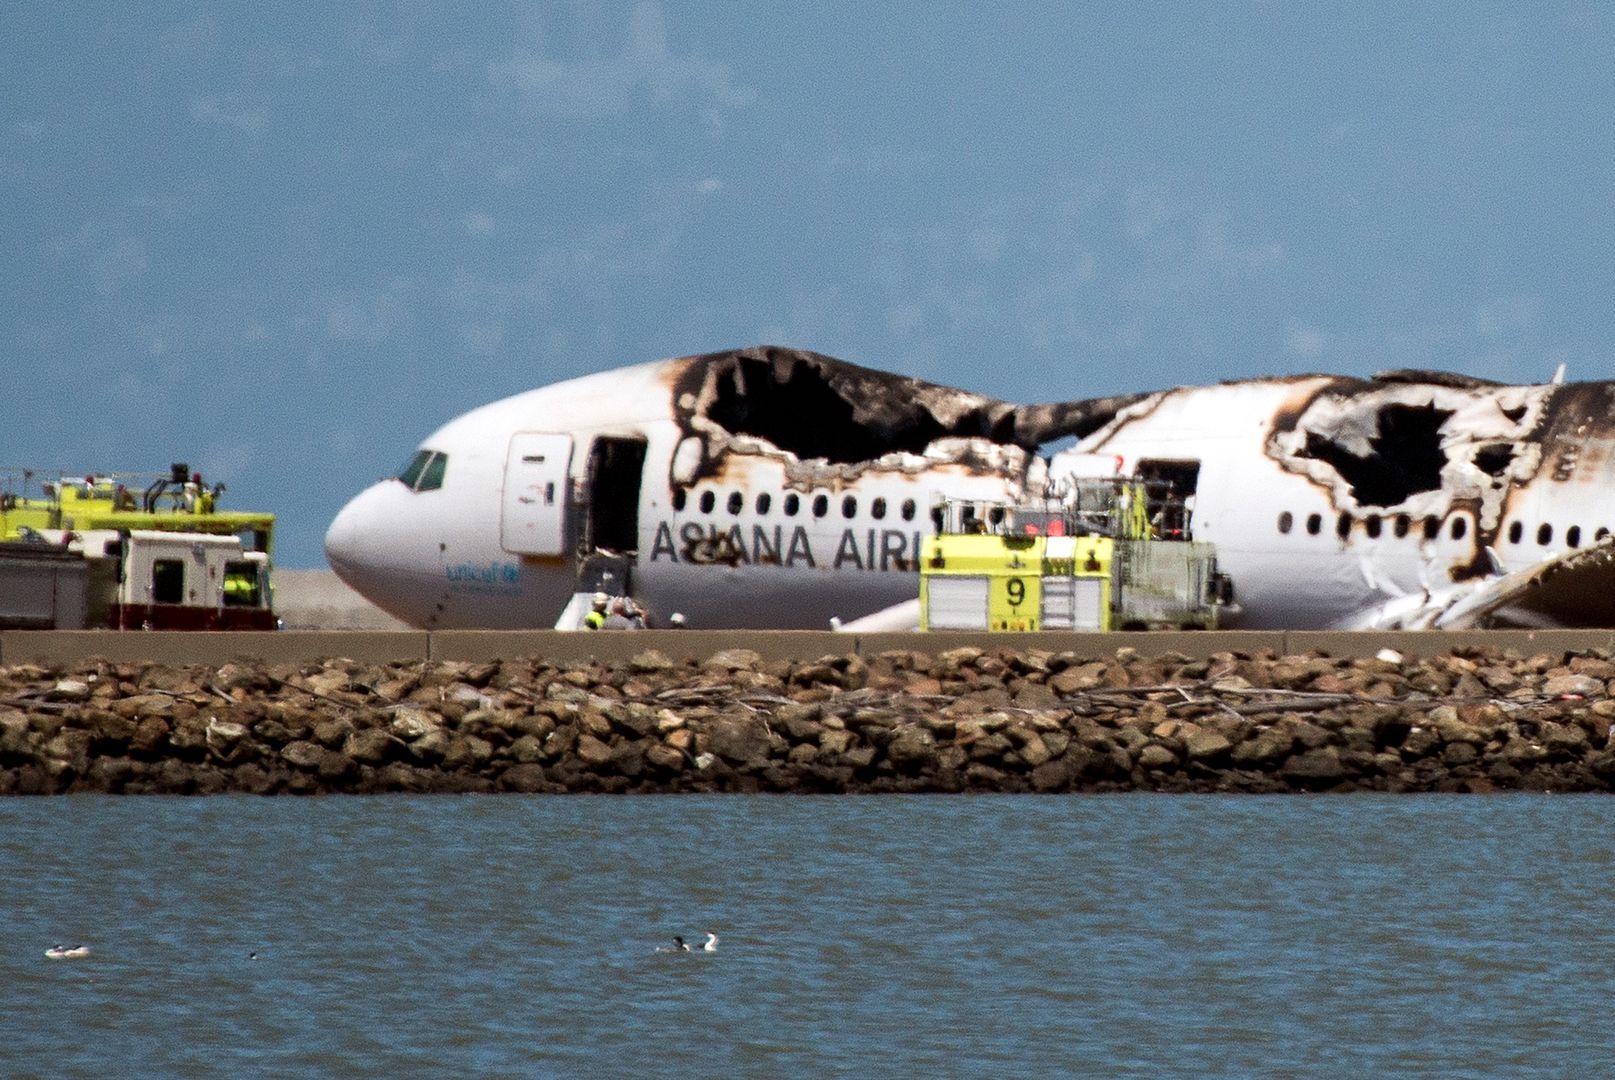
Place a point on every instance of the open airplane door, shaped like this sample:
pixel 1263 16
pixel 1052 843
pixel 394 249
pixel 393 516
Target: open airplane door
pixel 533 517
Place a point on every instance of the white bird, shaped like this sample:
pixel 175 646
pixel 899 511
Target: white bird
pixel 712 942
pixel 62 952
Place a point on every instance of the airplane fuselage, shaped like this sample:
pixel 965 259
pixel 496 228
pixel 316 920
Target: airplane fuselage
pixel 1324 496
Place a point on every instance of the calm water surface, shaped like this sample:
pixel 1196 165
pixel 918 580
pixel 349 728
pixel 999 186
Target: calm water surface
pixel 1138 935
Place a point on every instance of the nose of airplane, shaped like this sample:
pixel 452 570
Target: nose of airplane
pixel 342 543
pixel 356 544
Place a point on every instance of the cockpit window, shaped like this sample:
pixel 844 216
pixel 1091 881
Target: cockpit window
pixel 410 473
pixel 432 478
pixel 424 471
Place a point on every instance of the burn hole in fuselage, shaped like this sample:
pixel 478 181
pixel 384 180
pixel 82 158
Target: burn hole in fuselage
pixel 1405 455
pixel 1494 460
pixel 800 409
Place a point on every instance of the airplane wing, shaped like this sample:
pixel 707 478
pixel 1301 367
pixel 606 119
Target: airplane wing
pixel 1573 588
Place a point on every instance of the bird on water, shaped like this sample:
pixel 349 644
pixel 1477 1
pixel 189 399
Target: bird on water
pixel 63 952
pixel 680 945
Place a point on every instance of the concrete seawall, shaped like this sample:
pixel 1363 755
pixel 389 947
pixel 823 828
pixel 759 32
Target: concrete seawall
pixel 295 646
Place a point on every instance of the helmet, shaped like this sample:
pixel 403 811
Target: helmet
pixel 600 599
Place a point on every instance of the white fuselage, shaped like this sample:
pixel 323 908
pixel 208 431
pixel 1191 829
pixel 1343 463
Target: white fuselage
pixel 753 537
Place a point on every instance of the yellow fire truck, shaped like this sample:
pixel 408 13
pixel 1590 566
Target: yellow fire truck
pixel 125 552
pixel 1092 556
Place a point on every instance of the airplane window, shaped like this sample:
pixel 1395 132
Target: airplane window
pixel 1314 524
pixel 849 507
pixel 1372 526
pixel 1460 526
pixel 1515 531
pixel 1343 525
pixel 1402 524
pixel 1600 536
pixel 821 505
pixel 1544 535
pixel 908 509
pixel 736 501
pixel 1573 536
pixel 708 501
pixel 1432 527
pixel 792 504
pixel 432 477
pixel 679 499
pixel 411 472
pixel 763 503
pixel 996 515
pixel 1285 521
pixel 877 509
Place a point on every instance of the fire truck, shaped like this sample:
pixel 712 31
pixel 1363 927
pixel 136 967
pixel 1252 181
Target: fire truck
pixel 128 552
pixel 1106 553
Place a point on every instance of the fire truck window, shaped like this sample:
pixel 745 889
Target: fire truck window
pixel 168 581
pixel 432 475
pixel 240 584
pixel 410 473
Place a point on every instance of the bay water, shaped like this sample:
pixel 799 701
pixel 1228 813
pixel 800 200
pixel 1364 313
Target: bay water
pixel 515 936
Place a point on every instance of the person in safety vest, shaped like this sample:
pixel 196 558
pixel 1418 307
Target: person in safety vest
pixel 596 618
pixel 239 589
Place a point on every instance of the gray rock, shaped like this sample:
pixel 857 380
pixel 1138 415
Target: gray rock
pixel 592 752
pixel 411 724
pixel 1315 767
pixel 372 746
pixel 739 740
pixel 911 750
pixel 1206 746
pixel 1155 757
pixel 1573 685
pixel 303 754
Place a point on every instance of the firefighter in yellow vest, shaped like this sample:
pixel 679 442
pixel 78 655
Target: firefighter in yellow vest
pixel 239 588
pixel 596 618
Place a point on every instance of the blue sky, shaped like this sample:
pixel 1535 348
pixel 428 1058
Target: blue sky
pixel 285 242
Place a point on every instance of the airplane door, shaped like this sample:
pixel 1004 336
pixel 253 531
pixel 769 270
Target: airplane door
pixel 533 518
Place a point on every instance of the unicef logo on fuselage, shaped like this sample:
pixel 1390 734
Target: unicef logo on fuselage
pixel 493 575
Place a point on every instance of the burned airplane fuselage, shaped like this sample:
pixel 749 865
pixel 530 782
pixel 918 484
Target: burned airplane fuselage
pixel 777 488
pixel 1358 490
pixel 1326 494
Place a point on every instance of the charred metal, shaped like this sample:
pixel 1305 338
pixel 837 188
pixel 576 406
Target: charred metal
pixel 832 418
pixel 1403 457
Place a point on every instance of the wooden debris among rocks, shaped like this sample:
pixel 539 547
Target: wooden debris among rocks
pixel 963 720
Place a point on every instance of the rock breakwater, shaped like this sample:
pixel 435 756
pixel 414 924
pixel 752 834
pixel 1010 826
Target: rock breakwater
pixel 962 719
